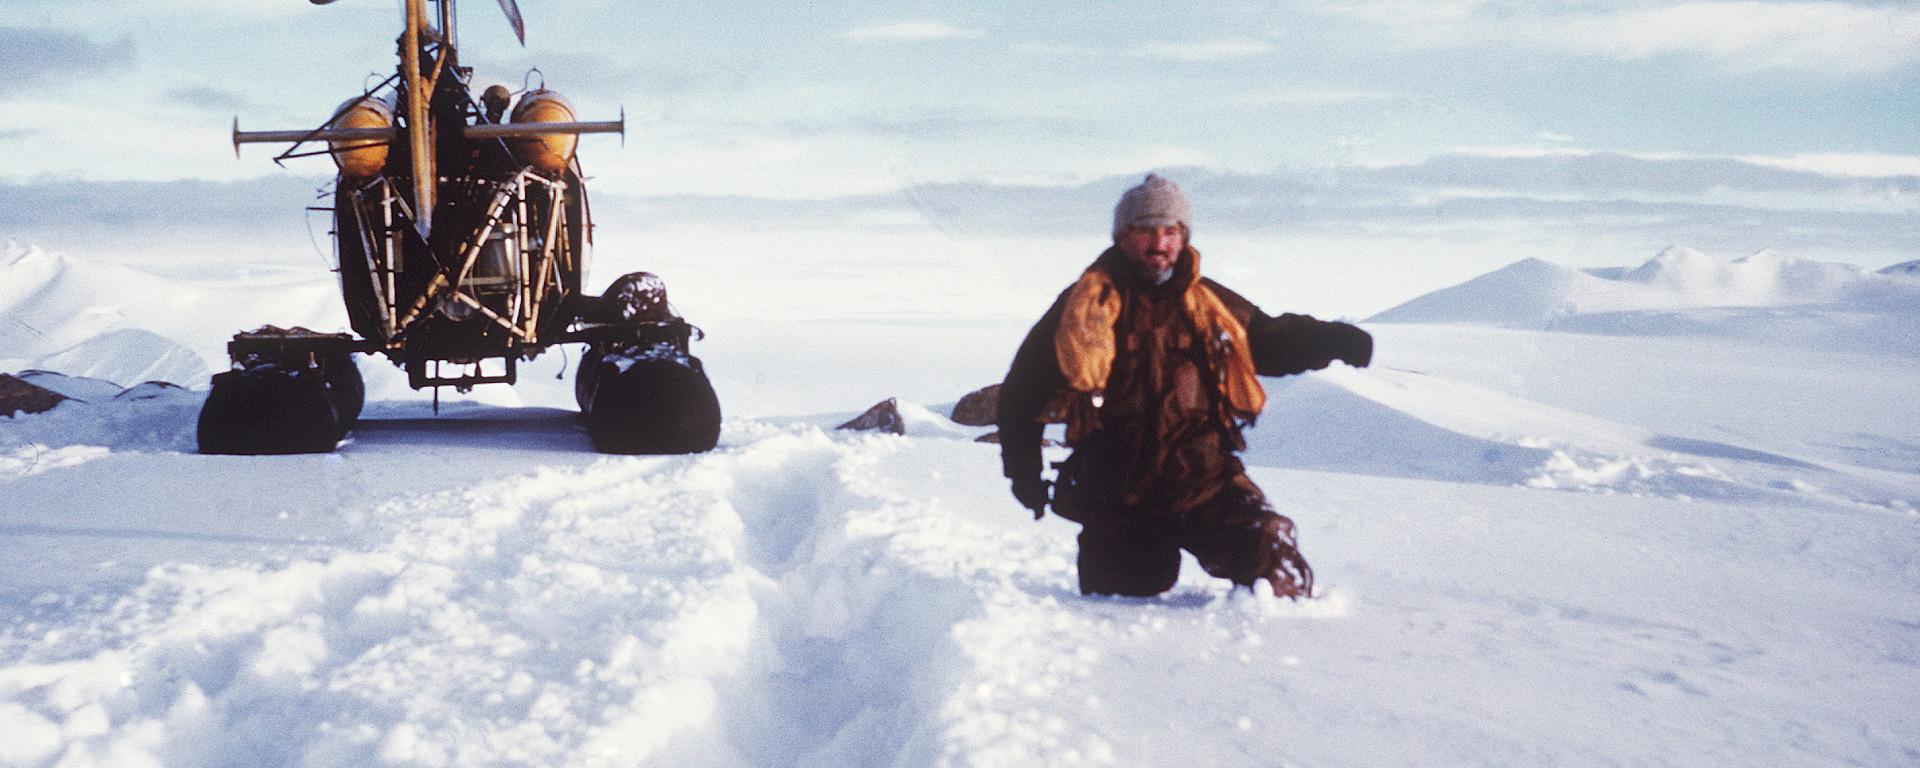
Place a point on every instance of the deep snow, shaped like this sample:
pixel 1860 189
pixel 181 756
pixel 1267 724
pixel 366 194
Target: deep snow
pixel 1650 516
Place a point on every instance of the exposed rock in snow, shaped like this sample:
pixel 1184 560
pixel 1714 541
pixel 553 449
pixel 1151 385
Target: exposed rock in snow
pixel 19 396
pixel 978 408
pixel 150 390
pixel 883 416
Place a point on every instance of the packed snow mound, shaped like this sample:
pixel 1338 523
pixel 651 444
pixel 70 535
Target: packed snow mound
pixel 130 356
pixel 799 597
pixel 107 321
pixel 1903 269
pixel 85 389
pixel 150 416
pixel 51 303
pixel 1534 293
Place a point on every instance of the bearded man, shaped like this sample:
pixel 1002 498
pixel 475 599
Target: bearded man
pixel 1153 370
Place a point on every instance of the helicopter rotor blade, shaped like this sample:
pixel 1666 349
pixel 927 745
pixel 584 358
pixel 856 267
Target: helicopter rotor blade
pixel 513 18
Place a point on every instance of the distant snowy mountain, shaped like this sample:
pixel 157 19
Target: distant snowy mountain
pixel 1903 269
pixel 1523 293
pixel 1533 293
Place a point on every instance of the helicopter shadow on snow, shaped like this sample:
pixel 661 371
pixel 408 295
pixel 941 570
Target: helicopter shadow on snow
pixel 473 426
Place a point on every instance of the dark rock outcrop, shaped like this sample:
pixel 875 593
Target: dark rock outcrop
pixel 980 408
pixel 17 396
pixel 884 416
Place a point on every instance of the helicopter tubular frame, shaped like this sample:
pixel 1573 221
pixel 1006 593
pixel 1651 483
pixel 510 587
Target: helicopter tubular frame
pixel 454 249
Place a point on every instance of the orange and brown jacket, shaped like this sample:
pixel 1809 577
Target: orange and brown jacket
pixel 1153 382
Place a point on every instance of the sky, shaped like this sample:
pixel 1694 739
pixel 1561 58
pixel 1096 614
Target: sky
pixel 1364 126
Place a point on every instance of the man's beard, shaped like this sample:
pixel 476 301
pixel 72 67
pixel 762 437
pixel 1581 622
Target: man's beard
pixel 1154 275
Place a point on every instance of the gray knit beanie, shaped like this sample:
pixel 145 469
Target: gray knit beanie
pixel 1156 202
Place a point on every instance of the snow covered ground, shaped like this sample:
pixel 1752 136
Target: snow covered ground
pixel 1653 516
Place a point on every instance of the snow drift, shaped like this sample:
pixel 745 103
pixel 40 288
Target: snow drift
pixel 1669 544
pixel 111 322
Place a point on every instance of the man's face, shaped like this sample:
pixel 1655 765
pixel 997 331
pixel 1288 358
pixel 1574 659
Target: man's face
pixel 1154 248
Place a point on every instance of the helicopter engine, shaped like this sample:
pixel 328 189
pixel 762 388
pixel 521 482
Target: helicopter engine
pixel 461 230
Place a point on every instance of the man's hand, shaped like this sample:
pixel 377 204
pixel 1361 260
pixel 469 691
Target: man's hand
pixel 1349 343
pixel 1032 493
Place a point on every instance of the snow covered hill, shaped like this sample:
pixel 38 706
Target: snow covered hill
pixel 1678 290
pixel 1672 543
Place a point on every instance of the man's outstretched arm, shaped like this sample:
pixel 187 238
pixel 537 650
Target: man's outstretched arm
pixel 1292 343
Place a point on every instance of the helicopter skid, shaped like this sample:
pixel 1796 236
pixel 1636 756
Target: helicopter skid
pixel 647 400
pixel 291 392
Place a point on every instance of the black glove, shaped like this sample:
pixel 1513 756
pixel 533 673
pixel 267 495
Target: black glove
pixel 1346 342
pixel 1032 493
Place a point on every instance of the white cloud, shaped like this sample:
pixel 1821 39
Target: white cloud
pixel 1407 13
pixel 1860 165
pixel 1209 50
pixel 30 57
pixel 1223 49
pixel 1056 49
pixel 1845 164
pixel 1139 160
pixel 1512 152
pixel 1309 98
pixel 1752 35
pixel 1828 36
pixel 911 30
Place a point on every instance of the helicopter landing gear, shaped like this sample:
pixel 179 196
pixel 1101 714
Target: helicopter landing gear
pixel 646 394
pixel 291 391
pixel 639 388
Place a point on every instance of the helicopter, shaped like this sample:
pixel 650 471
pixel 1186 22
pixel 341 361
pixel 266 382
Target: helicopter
pixel 462 232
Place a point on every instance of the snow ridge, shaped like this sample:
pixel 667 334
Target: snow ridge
pixel 1534 293
pixel 107 321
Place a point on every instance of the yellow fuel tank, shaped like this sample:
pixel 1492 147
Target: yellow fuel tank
pixel 361 159
pixel 548 152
